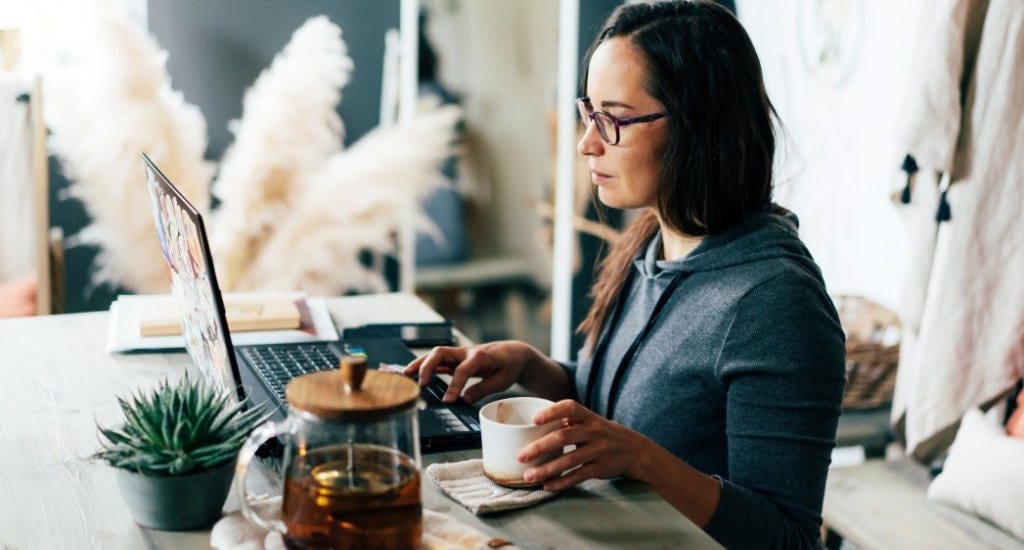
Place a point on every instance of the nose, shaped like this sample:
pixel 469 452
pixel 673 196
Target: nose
pixel 591 143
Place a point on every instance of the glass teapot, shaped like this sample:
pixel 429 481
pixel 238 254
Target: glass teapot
pixel 351 460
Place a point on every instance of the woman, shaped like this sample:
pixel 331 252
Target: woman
pixel 713 366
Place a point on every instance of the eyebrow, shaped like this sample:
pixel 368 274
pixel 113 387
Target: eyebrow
pixel 606 104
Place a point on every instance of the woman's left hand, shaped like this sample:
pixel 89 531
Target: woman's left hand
pixel 604 449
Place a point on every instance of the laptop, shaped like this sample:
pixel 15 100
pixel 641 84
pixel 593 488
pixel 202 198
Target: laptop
pixel 260 373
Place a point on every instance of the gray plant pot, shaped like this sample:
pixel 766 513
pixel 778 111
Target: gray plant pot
pixel 176 503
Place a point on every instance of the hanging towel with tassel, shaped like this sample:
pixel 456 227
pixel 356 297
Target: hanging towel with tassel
pixel 962 344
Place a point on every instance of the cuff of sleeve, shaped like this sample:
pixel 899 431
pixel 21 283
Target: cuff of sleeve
pixel 570 371
pixel 725 514
pixel 745 519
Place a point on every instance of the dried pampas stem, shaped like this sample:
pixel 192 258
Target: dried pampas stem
pixel 289 127
pixel 99 127
pixel 356 201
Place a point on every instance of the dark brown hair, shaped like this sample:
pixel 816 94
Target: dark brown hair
pixel 703 68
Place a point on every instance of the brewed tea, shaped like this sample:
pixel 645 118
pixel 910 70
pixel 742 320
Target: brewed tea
pixel 353 496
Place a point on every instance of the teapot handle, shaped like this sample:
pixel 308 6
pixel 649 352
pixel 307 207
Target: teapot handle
pixel 258 437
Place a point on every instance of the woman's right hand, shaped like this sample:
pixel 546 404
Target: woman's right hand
pixel 498 364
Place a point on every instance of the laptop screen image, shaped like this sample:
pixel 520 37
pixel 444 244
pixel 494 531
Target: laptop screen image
pixel 193 281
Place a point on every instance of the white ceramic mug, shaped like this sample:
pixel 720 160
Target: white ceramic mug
pixel 506 426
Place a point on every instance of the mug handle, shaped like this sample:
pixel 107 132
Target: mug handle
pixel 258 437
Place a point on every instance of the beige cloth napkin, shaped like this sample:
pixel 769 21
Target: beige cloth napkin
pixel 465 482
pixel 440 532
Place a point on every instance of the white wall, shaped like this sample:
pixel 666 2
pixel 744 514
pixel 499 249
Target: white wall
pixel 501 57
pixel 842 115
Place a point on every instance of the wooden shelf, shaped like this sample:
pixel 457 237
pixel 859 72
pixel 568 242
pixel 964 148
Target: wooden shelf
pixel 472 273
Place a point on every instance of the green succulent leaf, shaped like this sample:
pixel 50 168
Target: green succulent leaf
pixel 179 428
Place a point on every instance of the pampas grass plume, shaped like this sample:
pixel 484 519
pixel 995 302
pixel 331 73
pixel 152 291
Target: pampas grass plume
pixel 289 127
pixel 357 201
pixel 296 210
pixel 99 128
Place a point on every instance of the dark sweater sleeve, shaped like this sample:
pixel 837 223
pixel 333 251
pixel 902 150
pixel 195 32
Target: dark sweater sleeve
pixel 570 368
pixel 782 364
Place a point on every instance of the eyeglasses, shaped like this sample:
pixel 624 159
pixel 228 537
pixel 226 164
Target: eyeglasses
pixel 608 125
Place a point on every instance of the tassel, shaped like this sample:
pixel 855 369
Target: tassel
pixel 905 194
pixel 943 214
pixel 910 167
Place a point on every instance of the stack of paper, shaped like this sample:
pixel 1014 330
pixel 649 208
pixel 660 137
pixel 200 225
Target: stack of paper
pixel 161 317
pixel 151 321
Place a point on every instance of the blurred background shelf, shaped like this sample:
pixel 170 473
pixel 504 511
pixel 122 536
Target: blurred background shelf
pixel 488 298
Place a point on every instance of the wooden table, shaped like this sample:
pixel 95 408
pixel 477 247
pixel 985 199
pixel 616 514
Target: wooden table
pixel 58 380
pixel 882 504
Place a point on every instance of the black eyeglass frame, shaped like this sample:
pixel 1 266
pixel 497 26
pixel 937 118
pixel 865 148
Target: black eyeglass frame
pixel 589 116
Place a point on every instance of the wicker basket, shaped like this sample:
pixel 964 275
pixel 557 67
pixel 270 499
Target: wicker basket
pixel 872 352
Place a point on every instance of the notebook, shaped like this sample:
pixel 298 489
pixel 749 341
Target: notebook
pixel 261 372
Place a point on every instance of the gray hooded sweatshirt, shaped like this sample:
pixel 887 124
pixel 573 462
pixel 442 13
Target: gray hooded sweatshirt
pixel 738 371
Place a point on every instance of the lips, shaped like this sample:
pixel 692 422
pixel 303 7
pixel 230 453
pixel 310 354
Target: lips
pixel 599 177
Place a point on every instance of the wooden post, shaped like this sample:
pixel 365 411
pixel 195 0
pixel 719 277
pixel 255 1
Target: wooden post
pixel 41 175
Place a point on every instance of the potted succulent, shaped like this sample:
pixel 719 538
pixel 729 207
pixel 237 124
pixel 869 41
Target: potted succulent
pixel 175 452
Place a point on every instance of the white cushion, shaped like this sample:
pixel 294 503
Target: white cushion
pixel 984 474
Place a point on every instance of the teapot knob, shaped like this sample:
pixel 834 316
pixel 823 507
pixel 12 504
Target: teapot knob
pixel 353 371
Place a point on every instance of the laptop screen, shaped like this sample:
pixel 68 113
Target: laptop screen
pixel 193 282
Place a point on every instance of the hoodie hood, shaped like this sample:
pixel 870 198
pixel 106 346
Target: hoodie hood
pixel 762 236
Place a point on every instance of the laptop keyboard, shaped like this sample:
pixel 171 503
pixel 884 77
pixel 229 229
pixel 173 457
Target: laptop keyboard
pixel 277 365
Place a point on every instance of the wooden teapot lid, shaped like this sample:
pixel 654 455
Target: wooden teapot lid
pixel 352 392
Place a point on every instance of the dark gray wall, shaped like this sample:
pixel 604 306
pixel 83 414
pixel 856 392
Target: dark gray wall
pixel 216 49
pixel 69 215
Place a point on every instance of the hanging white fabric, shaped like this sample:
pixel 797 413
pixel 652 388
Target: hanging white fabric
pixel 964 306
pixel 17 241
